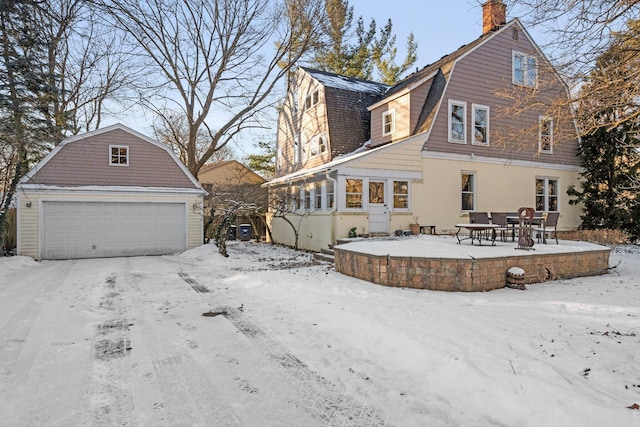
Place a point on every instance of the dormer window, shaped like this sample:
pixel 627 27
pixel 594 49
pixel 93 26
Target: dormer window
pixel 311 100
pixel 525 70
pixel 318 146
pixel 119 155
pixel 388 122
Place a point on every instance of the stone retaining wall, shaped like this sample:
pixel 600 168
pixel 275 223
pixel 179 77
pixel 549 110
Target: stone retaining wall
pixel 482 274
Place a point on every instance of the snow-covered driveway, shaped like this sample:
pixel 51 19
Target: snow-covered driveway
pixel 123 341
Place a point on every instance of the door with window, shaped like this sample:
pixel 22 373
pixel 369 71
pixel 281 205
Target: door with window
pixel 378 210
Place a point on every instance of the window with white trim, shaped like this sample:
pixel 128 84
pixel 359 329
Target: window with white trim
pixel 525 69
pixel 468 193
pixel 480 124
pixel 545 137
pixel 401 194
pixel 317 195
pixel 118 155
pixel 547 194
pixel 296 149
pixel 304 150
pixel 295 198
pixel 318 146
pixel 353 193
pixel 457 121
pixel 388 122
pixel 306 197
pixel 311 100
pixel 330 194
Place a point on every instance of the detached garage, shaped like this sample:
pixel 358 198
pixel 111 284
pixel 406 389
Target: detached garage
pixel 110 192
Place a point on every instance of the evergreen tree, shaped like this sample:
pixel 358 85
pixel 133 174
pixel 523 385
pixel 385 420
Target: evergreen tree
pixel 359 59
pixel 610 155
pixel 25 92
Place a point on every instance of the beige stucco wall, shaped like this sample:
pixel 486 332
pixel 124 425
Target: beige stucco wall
pixel 499 187
pixel 29 221
pixel 315 230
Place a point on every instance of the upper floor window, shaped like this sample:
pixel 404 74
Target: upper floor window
pixel 318 146
pixel 546 194
pixel 388 122
pixel 525 69
pixel 468 191
pixel 400 194
pixel 457 121
pixel 545 138
pixel 119 155
pixel 480 125
pixel 312 99
pixel 296 149
pixel 353 192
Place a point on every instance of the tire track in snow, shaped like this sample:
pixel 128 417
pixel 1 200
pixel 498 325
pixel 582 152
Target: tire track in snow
pixel 316 395
pixel 184 394
pixel 112 400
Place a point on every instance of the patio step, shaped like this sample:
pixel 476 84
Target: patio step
pixel 325 254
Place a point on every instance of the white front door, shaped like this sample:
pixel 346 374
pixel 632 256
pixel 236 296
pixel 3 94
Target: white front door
pixel 378 211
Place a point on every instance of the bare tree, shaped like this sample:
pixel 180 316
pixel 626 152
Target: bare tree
pixel 288 207
pixel 578 32
pixel 172 129
pixel 215 58
pixel 86 62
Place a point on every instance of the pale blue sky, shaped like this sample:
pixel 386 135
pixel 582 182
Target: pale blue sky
pixel 439 26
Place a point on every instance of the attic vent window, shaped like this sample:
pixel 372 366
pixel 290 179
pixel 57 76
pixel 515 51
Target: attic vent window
pixel 515 34
pixel 119 155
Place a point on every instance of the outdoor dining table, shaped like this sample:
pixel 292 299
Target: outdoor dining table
pixel 514 221
pixel 475 232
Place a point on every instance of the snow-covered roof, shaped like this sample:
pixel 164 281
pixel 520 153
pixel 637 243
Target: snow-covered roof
pixel 347 83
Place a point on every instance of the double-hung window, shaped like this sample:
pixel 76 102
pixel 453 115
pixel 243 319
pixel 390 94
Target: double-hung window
pixel 296 149
pixel 388 122
pixel 330 192
pixel 468 193
pixel 546 194
pixel 295 198
pixel 119 155
pixel 457 121
pixel 307 197
pixel 525 69
pixel 545 138
pixel 400 194
pixel 480 125
pixel 317 195
pixel 311 100
pixel 353 191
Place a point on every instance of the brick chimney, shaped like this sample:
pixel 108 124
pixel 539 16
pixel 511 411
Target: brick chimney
pixel 494 15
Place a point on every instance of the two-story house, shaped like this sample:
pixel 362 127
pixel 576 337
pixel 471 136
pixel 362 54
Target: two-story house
pixel 439 144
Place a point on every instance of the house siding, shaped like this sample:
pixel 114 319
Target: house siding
pixel 404 156
pixel 85 162
pixel 494 180
pixel 476 79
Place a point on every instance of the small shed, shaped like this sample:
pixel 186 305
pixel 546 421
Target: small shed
pixel 107 193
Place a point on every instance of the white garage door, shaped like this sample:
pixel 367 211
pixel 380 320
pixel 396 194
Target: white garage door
pixel 108 229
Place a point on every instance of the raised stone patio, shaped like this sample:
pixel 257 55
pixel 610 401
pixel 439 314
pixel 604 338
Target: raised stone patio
pixel 439 263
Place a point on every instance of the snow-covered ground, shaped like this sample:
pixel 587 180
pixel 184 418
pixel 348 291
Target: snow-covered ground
pixel 287 342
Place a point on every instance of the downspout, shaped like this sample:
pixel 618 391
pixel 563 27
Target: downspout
pixel 335 204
